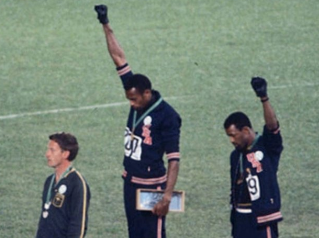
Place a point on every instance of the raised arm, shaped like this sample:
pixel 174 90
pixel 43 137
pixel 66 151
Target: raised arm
pixel 260 87
pixel 113 46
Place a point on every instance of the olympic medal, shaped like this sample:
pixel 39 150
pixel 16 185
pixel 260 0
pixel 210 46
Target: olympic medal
pixel 45 214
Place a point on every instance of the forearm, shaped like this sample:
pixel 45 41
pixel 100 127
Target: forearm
pixel 269 115
pixel 114 48
pixel 172 174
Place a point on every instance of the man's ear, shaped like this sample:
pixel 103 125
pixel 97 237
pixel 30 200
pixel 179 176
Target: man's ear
pixel 66 154
pixel 147 93
pixel 246 130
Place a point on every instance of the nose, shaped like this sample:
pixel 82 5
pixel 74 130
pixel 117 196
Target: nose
pixel 133 104
pixel 47 154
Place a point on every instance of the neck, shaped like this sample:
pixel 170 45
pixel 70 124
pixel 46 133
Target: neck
pixel 61 169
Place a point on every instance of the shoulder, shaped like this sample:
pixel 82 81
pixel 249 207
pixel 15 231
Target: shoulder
pixel 48 179
pixel 76 177
pixel 170 116
pixel 164 113
pixel 169 110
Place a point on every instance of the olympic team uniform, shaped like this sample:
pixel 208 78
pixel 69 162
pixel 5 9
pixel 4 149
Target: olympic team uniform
pixel 255 195
pixel 156 133
pixel 65 210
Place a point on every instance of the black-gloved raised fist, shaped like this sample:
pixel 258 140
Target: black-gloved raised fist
pixel 260 86
pixel 102 13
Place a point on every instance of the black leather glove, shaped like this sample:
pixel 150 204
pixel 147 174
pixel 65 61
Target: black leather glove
pixel 260 86
pixel 102 13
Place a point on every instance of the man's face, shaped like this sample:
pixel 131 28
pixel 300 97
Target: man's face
pixel 239 138
pixel 55 155
pixel 138 100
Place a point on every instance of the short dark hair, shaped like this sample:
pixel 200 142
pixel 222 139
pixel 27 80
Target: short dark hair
pixel 67 142
pixel 239 119
pixel 138 81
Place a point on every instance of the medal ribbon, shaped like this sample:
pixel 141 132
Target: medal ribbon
pixel 52 181
pixel 135 123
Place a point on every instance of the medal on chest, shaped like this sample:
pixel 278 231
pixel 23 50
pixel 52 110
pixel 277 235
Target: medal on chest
pixel 62 189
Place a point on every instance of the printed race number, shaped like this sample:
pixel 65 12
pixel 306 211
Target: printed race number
pixel 253 187
pixel 132 145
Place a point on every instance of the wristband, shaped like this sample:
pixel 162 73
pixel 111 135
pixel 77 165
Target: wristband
pixel 264 100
